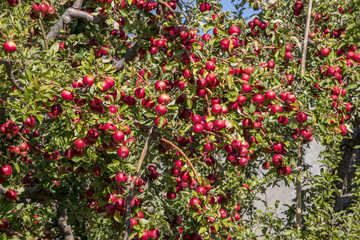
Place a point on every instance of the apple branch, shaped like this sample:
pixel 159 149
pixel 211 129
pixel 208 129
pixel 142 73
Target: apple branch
pixel 65 229
pixel 207 105
pixel 68 16
pixel 299 162
pixel 183 154
pixel 215 134
pixel 10 73
pixel 130 187
pixel 187 53
pixel 306 36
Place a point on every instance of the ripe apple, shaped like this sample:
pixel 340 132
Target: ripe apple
pixel 88 80
pixel 118 136
pixel 51 11
pixel 234 30
pixel 216 109
pixel 139 93
pixel 36 7
pixel 325 52
pixel 79 143
pixel 154 234
pixel 44 8
pixel 13 3
pixel 276 108
pixel 205 7
pixel 210 66
pixel 224 44
pixel 198 128
pixel 164 99
pixel 4 225
pixel 123 152
pixel 160 86
pixel 160 110
pixel 121 177
pixel 11 196
pixel 258 98
pixel 193 203
pixel 5 171
pixel 10 46
pixel 67 95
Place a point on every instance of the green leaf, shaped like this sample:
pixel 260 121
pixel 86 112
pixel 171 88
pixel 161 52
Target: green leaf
pixel 123 108
pixel 189 103
pixel 117 217
pixel 16 165
pixel 210 118
pixel 26 93
pixel 28 74
pixel 202 230
pixel 252 108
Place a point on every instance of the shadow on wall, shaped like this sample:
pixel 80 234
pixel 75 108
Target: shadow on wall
pixel 285 194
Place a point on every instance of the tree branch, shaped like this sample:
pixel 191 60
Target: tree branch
pixel 65 229
pixel 130 187
pixel 129 56
pixel 306 36
pixel 10 73
pixel 299 162
pixel 67 17
pixel 344 202
pixel 78 4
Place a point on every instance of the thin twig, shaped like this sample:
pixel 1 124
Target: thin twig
pixel 208 105
pixel 187 53
pixel 43 32
pixel 130 187
pixel 221 59
pixel 267 138
pixel 183 154
pixel 173 11
pixel 10 73
pixel 26 140
pixel 215 134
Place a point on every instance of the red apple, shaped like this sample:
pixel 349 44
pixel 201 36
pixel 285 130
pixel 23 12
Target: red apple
pixel 123 152
pixel 10 47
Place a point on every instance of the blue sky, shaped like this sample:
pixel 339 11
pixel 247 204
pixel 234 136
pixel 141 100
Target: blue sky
pixel 228 6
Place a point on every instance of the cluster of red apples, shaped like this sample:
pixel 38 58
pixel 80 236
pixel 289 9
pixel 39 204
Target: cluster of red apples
pixel 155 96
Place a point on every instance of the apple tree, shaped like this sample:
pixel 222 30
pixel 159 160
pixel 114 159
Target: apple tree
pixel 168 119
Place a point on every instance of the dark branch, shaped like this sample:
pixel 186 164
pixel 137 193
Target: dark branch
pixel 10 73
pixel 32 193
pixel 344 202
pixel 65 229
pixel 129 56
pixel 350 158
